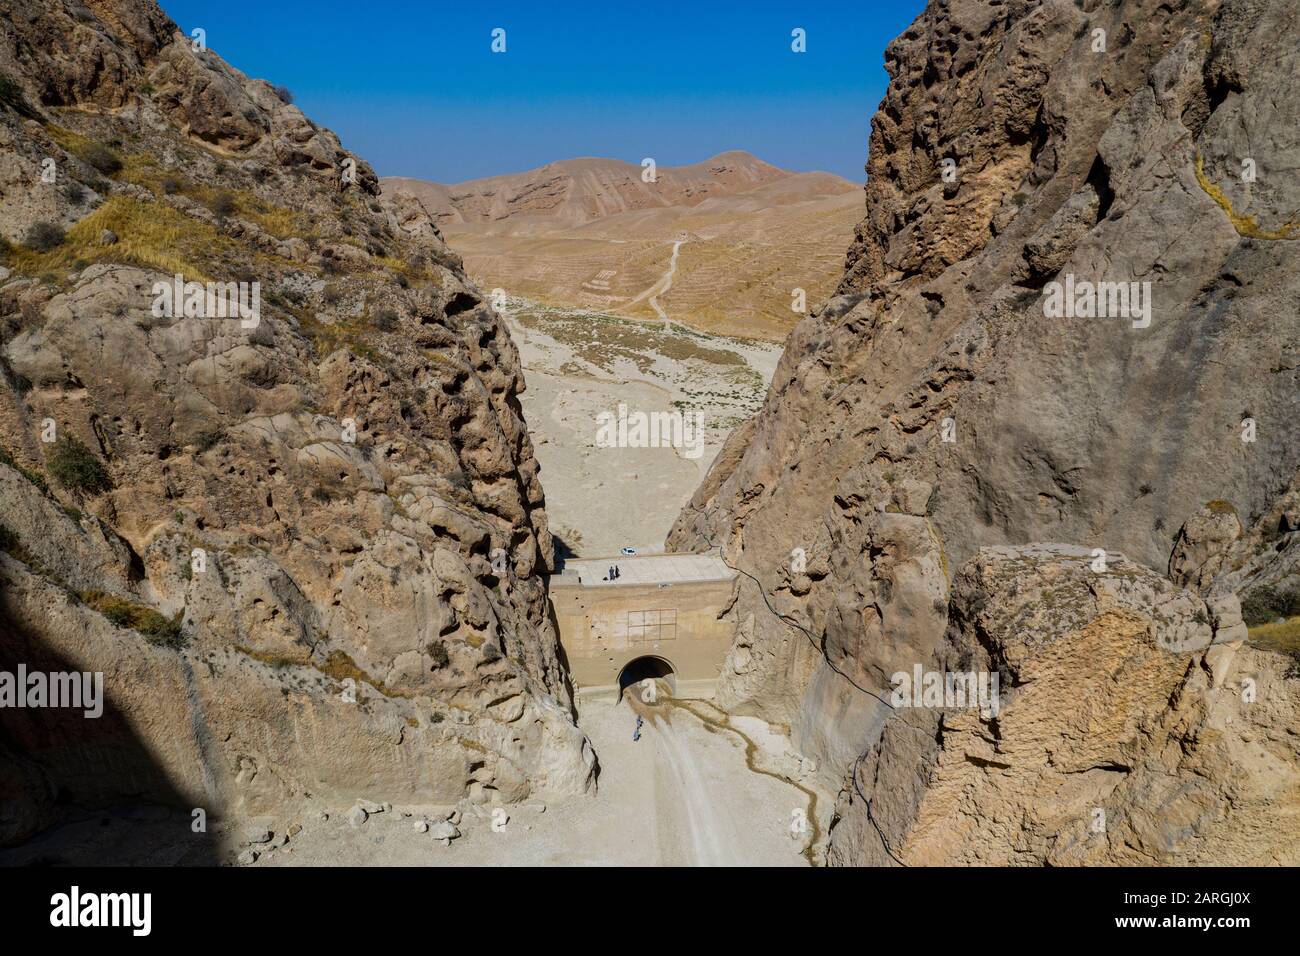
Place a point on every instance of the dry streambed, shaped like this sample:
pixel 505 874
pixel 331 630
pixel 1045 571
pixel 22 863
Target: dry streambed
pixel 578 364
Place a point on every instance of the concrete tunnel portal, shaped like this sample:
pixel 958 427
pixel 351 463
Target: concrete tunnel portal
pixel 661 617
pixel 647 668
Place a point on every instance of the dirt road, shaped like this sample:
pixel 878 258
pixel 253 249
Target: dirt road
pixel 660 287
pixel 666 283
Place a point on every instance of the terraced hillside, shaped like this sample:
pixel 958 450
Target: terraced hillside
pixel 749 236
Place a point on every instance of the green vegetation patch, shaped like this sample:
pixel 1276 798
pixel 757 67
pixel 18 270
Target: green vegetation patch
pixel 153 626
pixel 1265 604
pixel 602 340
pixel 152 235
pixel 75 466
pixel 1283 638
pixel 341 667
pixel 89 151
pixel 1246 225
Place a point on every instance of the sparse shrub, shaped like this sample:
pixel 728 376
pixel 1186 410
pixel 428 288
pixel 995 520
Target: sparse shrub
pixel 172 184
pixel 223 204
pixel 74 192
pixel 155 627
pixel 75 466
pixel 146 89
pixel 437 652
pixel 43 236
pixel 402 281
pixel 385 320
pixel 1144 489
pixel 100 157
pixel 164 631
pixel 1267 603
pixel 332 294
pixel 207 440
pixel 284 94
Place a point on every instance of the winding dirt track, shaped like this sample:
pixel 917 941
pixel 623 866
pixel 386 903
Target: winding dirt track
pixel 660 288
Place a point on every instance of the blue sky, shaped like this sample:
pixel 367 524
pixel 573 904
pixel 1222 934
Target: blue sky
pixel 414 88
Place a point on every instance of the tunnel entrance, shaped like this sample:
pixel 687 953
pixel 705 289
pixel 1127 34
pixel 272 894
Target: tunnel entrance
pixel 655 668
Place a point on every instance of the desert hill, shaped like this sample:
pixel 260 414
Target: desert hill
pixel 589 233
pixel 574 191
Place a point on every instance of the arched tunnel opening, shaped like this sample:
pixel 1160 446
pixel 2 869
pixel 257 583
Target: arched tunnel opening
pixel 648 668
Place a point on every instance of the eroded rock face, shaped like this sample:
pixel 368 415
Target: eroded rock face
pixel 332 512
pixel 1203 541
pixel 1076 156
pixel 1112 743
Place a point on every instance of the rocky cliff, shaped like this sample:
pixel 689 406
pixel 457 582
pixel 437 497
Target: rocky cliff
pixel 303 546
pixel 945 412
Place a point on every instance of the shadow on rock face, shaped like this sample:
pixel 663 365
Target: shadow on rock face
pixel 83 791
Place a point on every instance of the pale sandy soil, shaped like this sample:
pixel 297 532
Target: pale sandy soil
pixel 680 796
pixel 577 365
pixel 683 795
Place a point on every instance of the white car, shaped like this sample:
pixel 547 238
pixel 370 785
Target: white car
pixel 628 551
